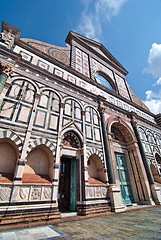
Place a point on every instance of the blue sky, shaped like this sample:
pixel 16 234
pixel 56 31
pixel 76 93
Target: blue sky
pixel 129 29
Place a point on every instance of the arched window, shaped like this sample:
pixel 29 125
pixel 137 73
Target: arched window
pixel 103 81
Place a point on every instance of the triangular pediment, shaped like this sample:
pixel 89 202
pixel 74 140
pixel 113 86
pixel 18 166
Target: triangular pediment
pixel 97 47
pixel 73 125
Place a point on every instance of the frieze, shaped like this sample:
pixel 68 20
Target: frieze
pixel 34 193
pixel 96 191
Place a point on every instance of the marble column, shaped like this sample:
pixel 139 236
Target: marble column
pixel 106 147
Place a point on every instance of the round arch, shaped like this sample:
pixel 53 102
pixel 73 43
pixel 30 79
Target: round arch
pixel 74 99
pixel 51 90
pixel 95 151
pixel 9 134
pixel 41 141
pixel 19 78
pixel 109 80
pixel 123 127
pixel 86 106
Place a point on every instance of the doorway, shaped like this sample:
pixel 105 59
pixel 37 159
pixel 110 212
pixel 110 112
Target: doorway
pixel 124 179
pixel 67 195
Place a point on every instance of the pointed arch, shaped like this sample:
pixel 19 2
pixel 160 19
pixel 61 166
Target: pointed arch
pixel 76 131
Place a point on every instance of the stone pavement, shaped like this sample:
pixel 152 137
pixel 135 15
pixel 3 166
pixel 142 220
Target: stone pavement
pixel 133 225
pixel 36 233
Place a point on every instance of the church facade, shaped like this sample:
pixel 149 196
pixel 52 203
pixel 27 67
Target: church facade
pixel 73 135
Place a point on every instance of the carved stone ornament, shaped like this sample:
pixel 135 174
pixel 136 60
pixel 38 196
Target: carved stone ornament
pixel 104 192
pixel 23 193
pixel 5 193
pixel 102 108
pixel 6 69
pixel 90 192
pixel 36 193
pixel 70 140
pixel 6 35
pixel 117 134
pixel 47 193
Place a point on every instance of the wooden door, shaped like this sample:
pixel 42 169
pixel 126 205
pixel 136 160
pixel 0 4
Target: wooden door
pixel 124 179
pixel 73 186
pixel 67 195
pixel 64 185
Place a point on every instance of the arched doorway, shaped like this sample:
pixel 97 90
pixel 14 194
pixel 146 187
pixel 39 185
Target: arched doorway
pixel 128 167
pixel 121 136
pixel 69 177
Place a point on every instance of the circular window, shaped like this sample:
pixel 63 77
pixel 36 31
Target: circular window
pixel 103 81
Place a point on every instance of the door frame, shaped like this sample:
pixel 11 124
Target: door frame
pixel 126 171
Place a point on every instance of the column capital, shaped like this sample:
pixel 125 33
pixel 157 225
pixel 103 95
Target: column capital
pixel 37 96
pixel 133 121
pixel 83 113
pixel 7 85
pixel 62 104
pixel 6 69
pixel 101 108
pixel 21 161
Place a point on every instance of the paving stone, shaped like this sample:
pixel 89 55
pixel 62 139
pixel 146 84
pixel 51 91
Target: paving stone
pixel 135 225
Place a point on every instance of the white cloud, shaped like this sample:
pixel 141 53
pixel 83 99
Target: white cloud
pixel 158 81
pixel 108 8
pixel 154 105
pixel 153 99
pixel 95 13
pixel 154 60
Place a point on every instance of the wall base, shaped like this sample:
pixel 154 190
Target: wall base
pixel 22 218
pixel 91 209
